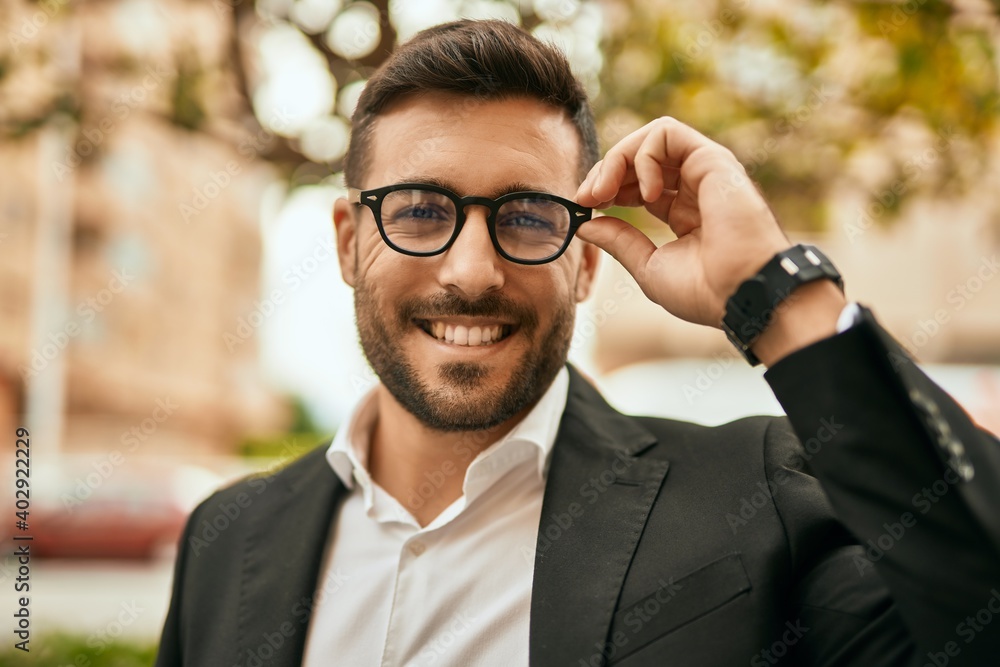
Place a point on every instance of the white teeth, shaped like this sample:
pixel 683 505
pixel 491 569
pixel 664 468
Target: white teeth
pixel 459 334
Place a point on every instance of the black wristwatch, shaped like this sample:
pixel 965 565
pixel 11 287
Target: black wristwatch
pixel 752 307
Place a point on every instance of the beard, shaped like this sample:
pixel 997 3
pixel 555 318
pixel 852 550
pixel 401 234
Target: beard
pixel 462 396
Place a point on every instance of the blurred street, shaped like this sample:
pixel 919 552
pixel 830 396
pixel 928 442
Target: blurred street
pixel 99 600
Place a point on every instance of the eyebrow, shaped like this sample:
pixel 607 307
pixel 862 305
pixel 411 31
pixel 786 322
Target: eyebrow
pixel 515 186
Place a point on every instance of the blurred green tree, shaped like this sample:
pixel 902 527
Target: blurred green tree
pixel 810 95
pixel 800 89
pixel 896 98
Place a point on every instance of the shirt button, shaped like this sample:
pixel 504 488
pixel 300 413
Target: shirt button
pixel 417 548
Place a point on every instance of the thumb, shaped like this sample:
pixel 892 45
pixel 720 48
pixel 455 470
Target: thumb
pixel 619 239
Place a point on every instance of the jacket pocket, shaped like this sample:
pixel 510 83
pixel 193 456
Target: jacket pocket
pixel 677 602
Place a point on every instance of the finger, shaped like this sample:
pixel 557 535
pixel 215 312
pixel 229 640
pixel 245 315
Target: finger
pixel 671 178
pixel 676 146
pixel 621 240
pixel 685 214
pixel 584 194
pixel 679 142
pixel 666 143
pixel 662 207
pixel 614 170
pixel 620 159
pixel 629 195
pixel 663 143
pixel 650 161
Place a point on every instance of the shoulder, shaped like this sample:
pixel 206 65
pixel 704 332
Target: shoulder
pixel 252 490
pixel 754 437
pixel 283 472
pixel 763 438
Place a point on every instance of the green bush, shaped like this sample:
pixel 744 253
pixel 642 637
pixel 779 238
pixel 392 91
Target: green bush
pixel 63 650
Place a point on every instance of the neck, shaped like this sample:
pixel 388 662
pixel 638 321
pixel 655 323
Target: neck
pixel 422 468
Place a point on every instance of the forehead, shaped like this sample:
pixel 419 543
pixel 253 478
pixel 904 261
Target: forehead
pixel 477 145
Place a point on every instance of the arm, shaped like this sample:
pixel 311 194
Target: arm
pixel 892 472
pixel 895 420
pixel 845 616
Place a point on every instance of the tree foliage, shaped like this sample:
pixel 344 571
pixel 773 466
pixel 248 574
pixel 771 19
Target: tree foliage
pixel 802 90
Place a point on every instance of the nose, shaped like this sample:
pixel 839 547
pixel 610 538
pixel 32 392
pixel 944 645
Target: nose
pixel 471 267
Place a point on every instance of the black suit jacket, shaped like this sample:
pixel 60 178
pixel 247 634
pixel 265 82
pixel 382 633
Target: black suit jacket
pixel 663 542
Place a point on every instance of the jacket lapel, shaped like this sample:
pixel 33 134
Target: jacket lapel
pixel 282 559
pixel 597 497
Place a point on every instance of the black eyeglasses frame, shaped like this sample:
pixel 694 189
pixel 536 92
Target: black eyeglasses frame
pixel 372 199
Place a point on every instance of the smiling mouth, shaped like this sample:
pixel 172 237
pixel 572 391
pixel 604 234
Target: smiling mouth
pixel 460 334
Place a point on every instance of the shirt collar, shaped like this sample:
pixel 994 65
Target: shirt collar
pixel 541 425
pixel 348 453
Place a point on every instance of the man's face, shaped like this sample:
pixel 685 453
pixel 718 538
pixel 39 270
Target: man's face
pixel 423 321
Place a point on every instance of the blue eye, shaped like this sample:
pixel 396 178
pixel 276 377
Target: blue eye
pixel 423 212
pixel 523 221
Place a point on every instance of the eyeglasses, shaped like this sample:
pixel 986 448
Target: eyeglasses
pixel 422 220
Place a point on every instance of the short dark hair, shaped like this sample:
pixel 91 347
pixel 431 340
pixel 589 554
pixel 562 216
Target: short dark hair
pixel 488 60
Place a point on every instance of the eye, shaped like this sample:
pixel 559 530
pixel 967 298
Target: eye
pixel 526 221
pixel 533 217
pixel 421 212
pixel 417 209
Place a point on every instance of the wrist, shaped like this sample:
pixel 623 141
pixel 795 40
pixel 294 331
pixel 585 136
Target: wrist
pixel 777 288
pixel 808 315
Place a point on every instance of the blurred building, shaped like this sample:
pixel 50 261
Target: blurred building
pixel 129 285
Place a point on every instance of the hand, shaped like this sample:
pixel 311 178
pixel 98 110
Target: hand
pixel 725 230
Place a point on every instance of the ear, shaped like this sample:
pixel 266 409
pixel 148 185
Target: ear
pixel 587 271
pixel 345 224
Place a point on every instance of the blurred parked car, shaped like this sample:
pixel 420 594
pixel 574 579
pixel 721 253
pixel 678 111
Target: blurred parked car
pixel 91 507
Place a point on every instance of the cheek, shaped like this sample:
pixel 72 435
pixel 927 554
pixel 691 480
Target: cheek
pixel 392 278
pixel 553 295
pixel 377 261
pixel 563 280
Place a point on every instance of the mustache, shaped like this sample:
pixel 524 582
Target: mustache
pixel 446 304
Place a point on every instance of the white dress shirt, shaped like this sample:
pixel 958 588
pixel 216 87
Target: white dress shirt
pixel 455 592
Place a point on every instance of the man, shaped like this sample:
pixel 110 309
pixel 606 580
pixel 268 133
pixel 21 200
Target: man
pixel 484 506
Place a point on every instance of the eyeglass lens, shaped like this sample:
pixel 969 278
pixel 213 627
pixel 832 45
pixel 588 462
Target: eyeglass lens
pixel 423 221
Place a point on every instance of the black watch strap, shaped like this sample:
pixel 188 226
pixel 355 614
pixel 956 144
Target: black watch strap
pixel 752 307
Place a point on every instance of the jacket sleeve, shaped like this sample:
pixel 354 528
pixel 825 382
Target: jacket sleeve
pixel 910 475
pixel 841 610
